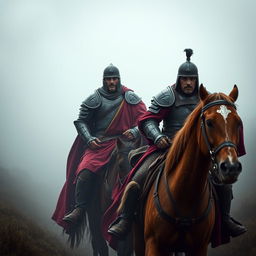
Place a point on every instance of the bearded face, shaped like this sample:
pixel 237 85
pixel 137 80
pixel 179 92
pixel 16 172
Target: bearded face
pixel 111 84
pixel 187 84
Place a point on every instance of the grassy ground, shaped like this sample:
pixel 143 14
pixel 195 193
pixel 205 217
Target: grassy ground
pixel 20 236
pixel 23 234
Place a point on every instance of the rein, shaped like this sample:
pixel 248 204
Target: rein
pixel 182 222
pixel 186 222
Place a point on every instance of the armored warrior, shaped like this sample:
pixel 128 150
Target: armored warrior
pixel 111 111
pixel 171 106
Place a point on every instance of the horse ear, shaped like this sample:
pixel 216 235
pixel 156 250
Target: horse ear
pixel 203 92
pixel 234 93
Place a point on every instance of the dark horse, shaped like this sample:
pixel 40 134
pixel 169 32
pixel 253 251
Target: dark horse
pixel 179 212
pixel 112 175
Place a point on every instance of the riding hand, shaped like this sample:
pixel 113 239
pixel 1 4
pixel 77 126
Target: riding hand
pixel 95 144
pixel 163 142
pixel 128 135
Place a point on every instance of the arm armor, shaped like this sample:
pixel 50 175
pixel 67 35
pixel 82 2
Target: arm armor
pixel 135 132
pixel 151 130
pixel 84 119
pixel 83 131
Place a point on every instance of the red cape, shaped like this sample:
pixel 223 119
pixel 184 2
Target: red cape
pixel 80 158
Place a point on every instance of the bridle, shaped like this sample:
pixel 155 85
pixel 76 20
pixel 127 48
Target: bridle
pixel 213 152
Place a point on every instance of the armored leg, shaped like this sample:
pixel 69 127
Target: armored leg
pixel 225 195
pixel 122 225
pixel 84 185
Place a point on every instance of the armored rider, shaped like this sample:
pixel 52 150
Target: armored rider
pixel 110 112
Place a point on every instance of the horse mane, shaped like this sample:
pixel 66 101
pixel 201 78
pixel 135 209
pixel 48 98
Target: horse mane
pixel 188 131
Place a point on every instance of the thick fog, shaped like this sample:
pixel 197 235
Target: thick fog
pixel 53 53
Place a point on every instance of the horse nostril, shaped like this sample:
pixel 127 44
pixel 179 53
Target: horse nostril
pixel 238 166
pixel 224 167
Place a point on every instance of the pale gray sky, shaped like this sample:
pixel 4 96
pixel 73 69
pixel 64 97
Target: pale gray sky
pixel 52 55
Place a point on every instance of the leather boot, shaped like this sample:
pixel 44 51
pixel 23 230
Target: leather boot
pixel 83 192
pixel 122 225
pixel 75 217
pixel 225 195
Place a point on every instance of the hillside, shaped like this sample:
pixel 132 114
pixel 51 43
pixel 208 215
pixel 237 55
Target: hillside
pixel 20 236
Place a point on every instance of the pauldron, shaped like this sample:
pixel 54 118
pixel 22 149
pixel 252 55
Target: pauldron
pixel 93 101
pixel 165 98
pixel 132 98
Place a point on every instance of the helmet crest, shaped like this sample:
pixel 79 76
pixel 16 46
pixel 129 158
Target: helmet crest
pixel 189 53
pixel 187 69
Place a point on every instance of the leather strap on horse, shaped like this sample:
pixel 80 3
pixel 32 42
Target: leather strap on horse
pixel 212 151
pixel 218 102
pixel 181 222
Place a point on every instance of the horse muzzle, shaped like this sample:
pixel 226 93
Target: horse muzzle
pixel 229 171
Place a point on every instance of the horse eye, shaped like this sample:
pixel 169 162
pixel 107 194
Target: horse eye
pixel 209 123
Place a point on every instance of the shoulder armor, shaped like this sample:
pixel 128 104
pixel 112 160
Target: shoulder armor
pixel 132 98
pixel 93 101
pixel 165 98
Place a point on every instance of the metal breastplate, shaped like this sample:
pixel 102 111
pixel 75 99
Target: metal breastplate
pixel 105 114
pixel 182 107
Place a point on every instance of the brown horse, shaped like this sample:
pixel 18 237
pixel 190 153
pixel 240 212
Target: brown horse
pixel 179 213
pixel 112 175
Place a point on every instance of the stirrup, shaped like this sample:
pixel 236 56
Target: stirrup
pixel 74 218
pixel 118 232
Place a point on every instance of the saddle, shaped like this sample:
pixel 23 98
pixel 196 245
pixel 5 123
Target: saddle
pixel 135 154
pixel 153 170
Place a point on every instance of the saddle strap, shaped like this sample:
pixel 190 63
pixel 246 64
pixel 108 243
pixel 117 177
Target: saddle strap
pixel 181 222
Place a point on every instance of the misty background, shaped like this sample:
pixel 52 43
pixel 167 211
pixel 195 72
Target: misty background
pixel 52 56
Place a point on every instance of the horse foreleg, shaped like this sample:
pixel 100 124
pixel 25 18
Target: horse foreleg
pixel 154 249
pixel 98 243
pixel 138 240
pixel 125 247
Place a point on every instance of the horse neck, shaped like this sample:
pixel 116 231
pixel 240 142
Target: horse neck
pixel 189 179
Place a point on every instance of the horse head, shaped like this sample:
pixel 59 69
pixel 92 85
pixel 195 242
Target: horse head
pixel 221 127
